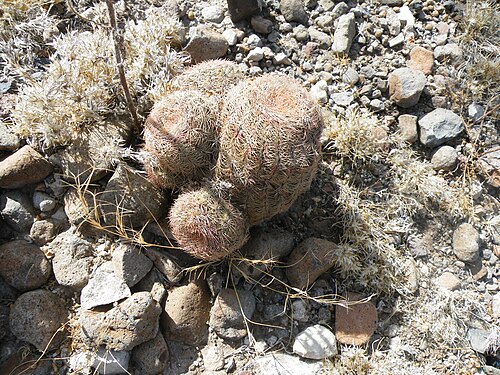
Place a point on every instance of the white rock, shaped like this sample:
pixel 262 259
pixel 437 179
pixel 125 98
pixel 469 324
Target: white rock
pixel 444 158
pixel 110 362
pixel 284 364
pixel 255 54
pixel 344 33
pixel 315 342
pixel 406 16
pixel 281 59
pixel 495 306
pixel 319 92
pixel 476 112
pixel 104 287
pixel 43 202
pixel 397 40
pixel 213 13
pixel 231 36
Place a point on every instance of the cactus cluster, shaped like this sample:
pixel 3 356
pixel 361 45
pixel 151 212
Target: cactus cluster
pixel 241 150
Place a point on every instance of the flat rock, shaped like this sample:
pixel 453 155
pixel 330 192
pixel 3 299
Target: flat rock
pixel 130 264
pixel 229 312
pixel 466 243
pixel 206 44
pixel 151 357
pixel 131 323
pixel 408 128
pixel 165 264
pixel 344 34
pixel 449 54
pixel 355 324
pixel 90 156
pixel 439 126
pixel 9 141
pixel 421 59
pixel 448 281
pixel 406 86
pixel 315 342
pixel 73 259
pixel 241 9
pixel 110 362
pixel 445 158
pixel 281 363
pixel 186 313
pixel 104 287
pixel 17 210
pixel 26 166
pixel 294 11
pixel 23 265
pixel 36 316
pixel 478 339
pixel 311 258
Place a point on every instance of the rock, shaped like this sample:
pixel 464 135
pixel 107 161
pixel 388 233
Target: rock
pixel 350 76
pixel 355 324
pixel 9 141
pixel 186 313
pixel 445 158
pixel 294 11
pixel 26 166
pixel 7 292
pixel 466 243
pixel 262 25
pixel 311 258
pixel 213 358
pixel 132 322
pixel 130 264
pixel 392 3
pixel 343 99
pixel 450 53
pixel 449 281
pixel 439 126
pixel 340 9
pixel 323 39
pixel 153 283
pixel 111 361
pixel 475 112
pixel 490 162
pixel 206 44
pixel 151 357
pixel 4 320
pixel 281 59
pixel 267 245
pixel 104 287
pixel 22 363
pixel 17 211
pixel 36 316
pixel 165 264
pixel 73 258
pixel 79 205
pixel 421 59
pixel 23 265
pixel 299 311
pixel 319 92
pixel 212 13
pixel 231 309
pixel 344 34
pixel 405 86
pixel 241 9
pixel 478 339
pixel 397 40
pixel 255 54
pixel 281 364
pixel 315 342
pixel 327 5
pixel 130 200
pixel 495 306
pixel 43 202
pixel 91 155
pixel 406 17
pixel 393 22
pixel 231 36
pixel 408 128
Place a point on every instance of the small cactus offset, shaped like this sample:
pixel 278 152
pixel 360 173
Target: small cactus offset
pixel 180 139
pixel 269 144
pixel 206 225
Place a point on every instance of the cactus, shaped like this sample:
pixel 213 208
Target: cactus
pixel 269 144
pixel 206 225
pixel 180 137
pixel 212 77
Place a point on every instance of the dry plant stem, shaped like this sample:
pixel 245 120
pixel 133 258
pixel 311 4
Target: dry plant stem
pixel 119 60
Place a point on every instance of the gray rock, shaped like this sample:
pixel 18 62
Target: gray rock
pixel 281 363
pixel 324 22
pixel 445 158
pixel 23 265
pixel 405 86
pixel 151 357
pixel 73 259
pixel 9 141
pixel 495 306
pixel 476 112
pixel 439 126
pixel 299 311
pixel 241 9
pixel 7 292
pixel 130 264
pixel 43 202
pixel 300 33
pixel 92 154
pixel 132 322
pixel 205 44
pixel 26 166
pixel 17 211
pixel 255 54
pixel 342 99
pixel 110 362
pixel 408 128
pixel 230 311
pixel 36 316
pixel 4 321
pixel 186 313
pixel 340 9
pixel 350 76
pixel 449 281
pixel 490 162
pixel 44 231
pixel 165 264
pixel 281 59
pixel 319 37
pixel 319 92
pixel 466 242
pixel 294 11
pixel 79 205
pixel 231 36
pixel 262 25
pixel 104 287
pixel 327 5
pixel 478 339
pixel 212 13
pixel 154 282
pixel 130 200
pixel 450 54
pixel 315 342
pixel 393 22
pixel 344 34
